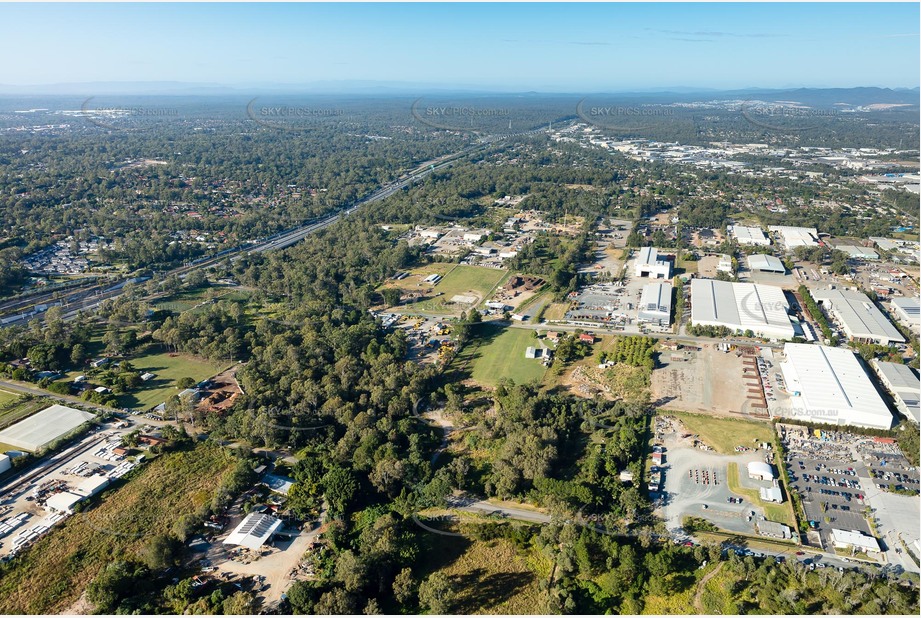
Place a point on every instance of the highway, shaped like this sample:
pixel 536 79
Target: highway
pixel 89 298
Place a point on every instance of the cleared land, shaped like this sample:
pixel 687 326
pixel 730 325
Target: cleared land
pixel 168 368
pixel 457 280
pixel 725 434
pixel 184 301
pixel 51 575
pixel 498 352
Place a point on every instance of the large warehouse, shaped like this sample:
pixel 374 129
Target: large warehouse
pixel 860 318
pixel 791 237
pixel 904 384
pixel 765 263
pixel 740 307
pixel 649 265
pixel 829 385
pixel 748 235
pixel 656 304
pixel 41 429
pixel 5 463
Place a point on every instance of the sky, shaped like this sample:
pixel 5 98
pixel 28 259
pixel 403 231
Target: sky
pixel 503 47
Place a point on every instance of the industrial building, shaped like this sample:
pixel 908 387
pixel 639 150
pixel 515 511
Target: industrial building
pixel 860 318
pixel 5 463
pixel 43 428
pixel 771 494
pixel 858 252
pixel 829 385
pixel 761 471
pixel 741 307
pixel 774 529
pixel 656 304
pixel 854 539
pixel 648 264
pixel 765 263
pixel 791 237
pixel 748 235
pixel 907 310
pixel 254 531
pixel 904 384
pixel 65 501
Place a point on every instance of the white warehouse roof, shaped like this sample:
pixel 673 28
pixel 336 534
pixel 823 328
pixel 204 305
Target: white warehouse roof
pixel 908 309
pixel 859 316
pixel 254 530
pixel 656 303
pixel 41 429
pixel 796 236
pixel 829 385
pixel 854 538
pixel 766 262
pixel 761 469
pixel 648 264
pixel 748 235
pixel 905 386
pixel 741 306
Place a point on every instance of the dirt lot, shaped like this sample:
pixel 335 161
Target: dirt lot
pixel 709 381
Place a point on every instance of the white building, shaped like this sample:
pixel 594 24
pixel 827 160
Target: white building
pixel 740 307
pixel 63 502
pixel 254 531
pixel 656 304
pixel 791 237
pixel 771 494
pixel 907 310
pixel 649 265
pixel 860 318
pixel 5 463
pixel 41 429
pixel 761 471
pixel 857 252
pixel 904 384
pixel 748 235
pixel 854 539
pixel 829 385
pixel 725 264
pixel 765 263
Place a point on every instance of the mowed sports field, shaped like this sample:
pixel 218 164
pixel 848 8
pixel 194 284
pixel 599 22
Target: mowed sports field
pixel 497 353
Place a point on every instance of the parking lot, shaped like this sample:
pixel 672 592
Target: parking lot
pixel 831 470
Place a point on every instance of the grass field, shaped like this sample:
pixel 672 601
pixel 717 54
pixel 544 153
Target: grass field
pixel 774 512
pixel 168 368
pixel 497 353
pixel 464 280
pixel 6 397
pixel 556 311
pixel 186 300
pixel 51 575
pixel 724 434
pixel 16 413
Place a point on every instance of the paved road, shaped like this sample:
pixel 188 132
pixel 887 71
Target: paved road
pixel 484 506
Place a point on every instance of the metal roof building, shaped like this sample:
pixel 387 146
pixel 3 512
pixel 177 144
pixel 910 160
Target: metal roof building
pixel 656 304
pixel 761 471
pixel 765 263
pixel 858 252
pixel 847 539
pixel 39 430
pixel 829 385
pixel 648 264
pixel 740 307
pixel 860 318
pixel 907 310
pixel 791 237
pixel 904 384
pixel 5 463
pixel 254 531
pixel 774 529
pixel 63 502
pixel 748 235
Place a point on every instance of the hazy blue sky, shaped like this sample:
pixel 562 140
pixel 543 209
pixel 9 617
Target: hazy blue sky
pixel 545 47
